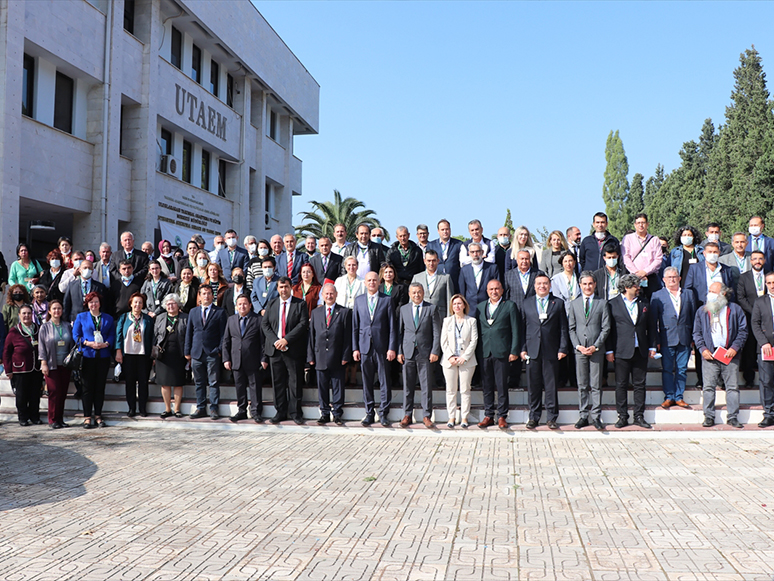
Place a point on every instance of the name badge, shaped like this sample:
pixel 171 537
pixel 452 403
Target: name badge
pixel 543 316
pixel 60 343
pixel 693 260
pixel 613 292
pixel 98 337
pixel 264 295
pixel 490 321
pixel 34 343
pixel 760 293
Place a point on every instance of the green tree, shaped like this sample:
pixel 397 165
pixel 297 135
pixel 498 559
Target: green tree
pixel 652 185
pixel 636 198
pixel 615 189
pixel 321 221
pixel 508 221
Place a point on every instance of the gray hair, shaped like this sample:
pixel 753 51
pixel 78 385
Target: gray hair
pixel 671 269
pixel 415 285
pixel 105 245
pixel 125 233
pixel 172 297
pixel 587 274
pixel 423 228
pixel 329 284
pixel 249 237
pixel 628 281
pixel 476 244
pixel 402 229
pixel 475 223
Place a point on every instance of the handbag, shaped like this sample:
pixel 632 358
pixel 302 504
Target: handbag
pixel 74 359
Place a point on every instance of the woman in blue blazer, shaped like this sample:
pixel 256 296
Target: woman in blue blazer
pixel 96 332
pixel 134 341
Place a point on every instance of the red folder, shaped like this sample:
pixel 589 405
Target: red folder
pixel 767 357
pixel 720 355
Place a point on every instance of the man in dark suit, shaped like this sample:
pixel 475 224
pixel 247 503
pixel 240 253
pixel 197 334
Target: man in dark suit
pixel 369 254
pixel 606 278
pixel 438 287
pixel 475 277
pixel 498 344
pixel 243 355
pixel 448 250
pixel 591 246
pixel 329 351
pixel 589 324
pixel 290 261
pixel 763 329
pixel 673 311
pixel 519 286
pixel 128 252
pixel 232 256
pixel 79 288
pixel 286 326
pixel 419 326
pixel 545 342
pixel 122 288
pixel 265 287
pixel 374 342
pixel 203 337
pixel 631 341
pixel 759 241
pixel 326 264
pixel 235 291
pixel 405 257
pixel 720 324
pixel 702 274
pixel 750 286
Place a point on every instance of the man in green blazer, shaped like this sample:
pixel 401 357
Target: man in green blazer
pixel 498 345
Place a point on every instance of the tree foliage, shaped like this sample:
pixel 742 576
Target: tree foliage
pixel 508 221
pixel 615 190
pixel 322 220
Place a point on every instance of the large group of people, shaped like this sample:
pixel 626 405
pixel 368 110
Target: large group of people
pixel 453 312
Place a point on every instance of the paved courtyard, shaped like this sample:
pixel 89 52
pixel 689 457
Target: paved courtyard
pixel 309 503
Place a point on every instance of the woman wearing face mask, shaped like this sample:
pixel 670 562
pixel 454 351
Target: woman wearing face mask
pixel 56 341
pixel 155 288
pixel 16 298
pixel 50 278
pixel 187 288
pixel 167 261
pixel 39 305
pixel 254 267
pixel 25 270
pixel 70 274
pixel 91 256
pixel 20 358
pixel 65 246
pixel 235 291
pixel 202 260
pixel 686 251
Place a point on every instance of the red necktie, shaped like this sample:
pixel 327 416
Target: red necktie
pixel 328 318
pixel 284 304
pixel 290 265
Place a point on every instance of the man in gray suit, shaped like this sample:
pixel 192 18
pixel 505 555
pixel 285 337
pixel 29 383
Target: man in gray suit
pixel 420 331
pixel 589 323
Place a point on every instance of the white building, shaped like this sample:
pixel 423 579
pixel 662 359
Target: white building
pixel 192 132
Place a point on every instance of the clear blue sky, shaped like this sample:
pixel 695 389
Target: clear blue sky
pixel 464 109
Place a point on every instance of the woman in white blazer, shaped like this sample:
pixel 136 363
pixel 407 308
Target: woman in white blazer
pixel 459 337
pixel 565 284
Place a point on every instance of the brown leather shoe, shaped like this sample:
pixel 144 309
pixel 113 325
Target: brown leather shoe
pixel 682 403
pixel 405 422
pixel 428 423
pixel 486 422
pixel 667 404
pixel 502 424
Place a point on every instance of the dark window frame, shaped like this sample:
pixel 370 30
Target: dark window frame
pixel 28 86
pixel 166 139
pixel 214 78
pixel 230 91
pixel 64 99
pixel 187 159
pixel 206 158
pixel 129 16
pixel 176 52
pixel 196 64
pixel 222 168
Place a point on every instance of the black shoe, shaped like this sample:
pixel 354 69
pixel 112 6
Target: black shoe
pixel 708 423
pixel 178 414
pixel 385 422
pixel 338 421
pixel 214 415
pixel 622 422
pixel 367 421
pixel 54 426
pixel 164 415
pixel 258 419
pixel 640 421
pixel 532 424
pixel 598 424
pixel 766 423
pixel 131 413
pixel 143 414
pixel 238 416
pixel 299 421
pixel 199 413
pixel 277 419
pixel 734 423
pixel 323 419
pixel 37 421
pixel 552 425
pixel 581 423
pixel 25 423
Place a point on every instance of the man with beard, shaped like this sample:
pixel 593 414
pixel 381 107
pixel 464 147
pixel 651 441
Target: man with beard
pixel 720 324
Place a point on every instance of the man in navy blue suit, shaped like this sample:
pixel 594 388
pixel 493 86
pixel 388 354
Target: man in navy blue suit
pixel 374 342
pixel 759 241
pixel 475 276
pixel 232 256
pixel 290 261
pixel 203 335
pixel 448 250
pixel 702 274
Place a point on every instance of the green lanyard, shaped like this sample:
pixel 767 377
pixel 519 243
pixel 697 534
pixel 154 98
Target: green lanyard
pixel 59 331
pixel 97 322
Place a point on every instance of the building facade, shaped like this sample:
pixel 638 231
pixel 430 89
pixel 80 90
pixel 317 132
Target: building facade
pixel 164 117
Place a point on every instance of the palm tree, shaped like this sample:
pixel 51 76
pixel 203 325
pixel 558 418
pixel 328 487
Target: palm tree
pixel 326 215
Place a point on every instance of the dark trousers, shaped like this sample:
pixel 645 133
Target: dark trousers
pixel 136 370
pixel 57 382
pixel 330 382
pixel 766 381
pixel 749 359
pixel 206 373
pixel 514 374
pixel 423 370
pixel 93 378
pixel 248 382
pixel 286 376
pixel 637 368
pixel 372 365
pixel 27 388
pixel 697 358
pixel 494 378
pixel 541 377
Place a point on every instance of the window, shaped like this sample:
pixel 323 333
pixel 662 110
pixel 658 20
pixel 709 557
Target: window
pixel 230 91
pixel 205 170
pixel 63 103
pixel 273 118
pixel 214 78
pixel 28 85
pixel 129 16
pixel 177 48
pixel 196 64
pixel 267 205
pixel 187 158
pixel 166 142
pixel 121 132
pixel 222 178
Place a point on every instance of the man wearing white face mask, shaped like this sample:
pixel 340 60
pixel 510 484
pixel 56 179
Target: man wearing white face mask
pixel 590 251
pixel 702 274
pixel 232 256
pixel 79 288
pixel 759 241
pixel 720 332
pixel 218 244
pixel 502 249
pixel 607 277
pixel 713 234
